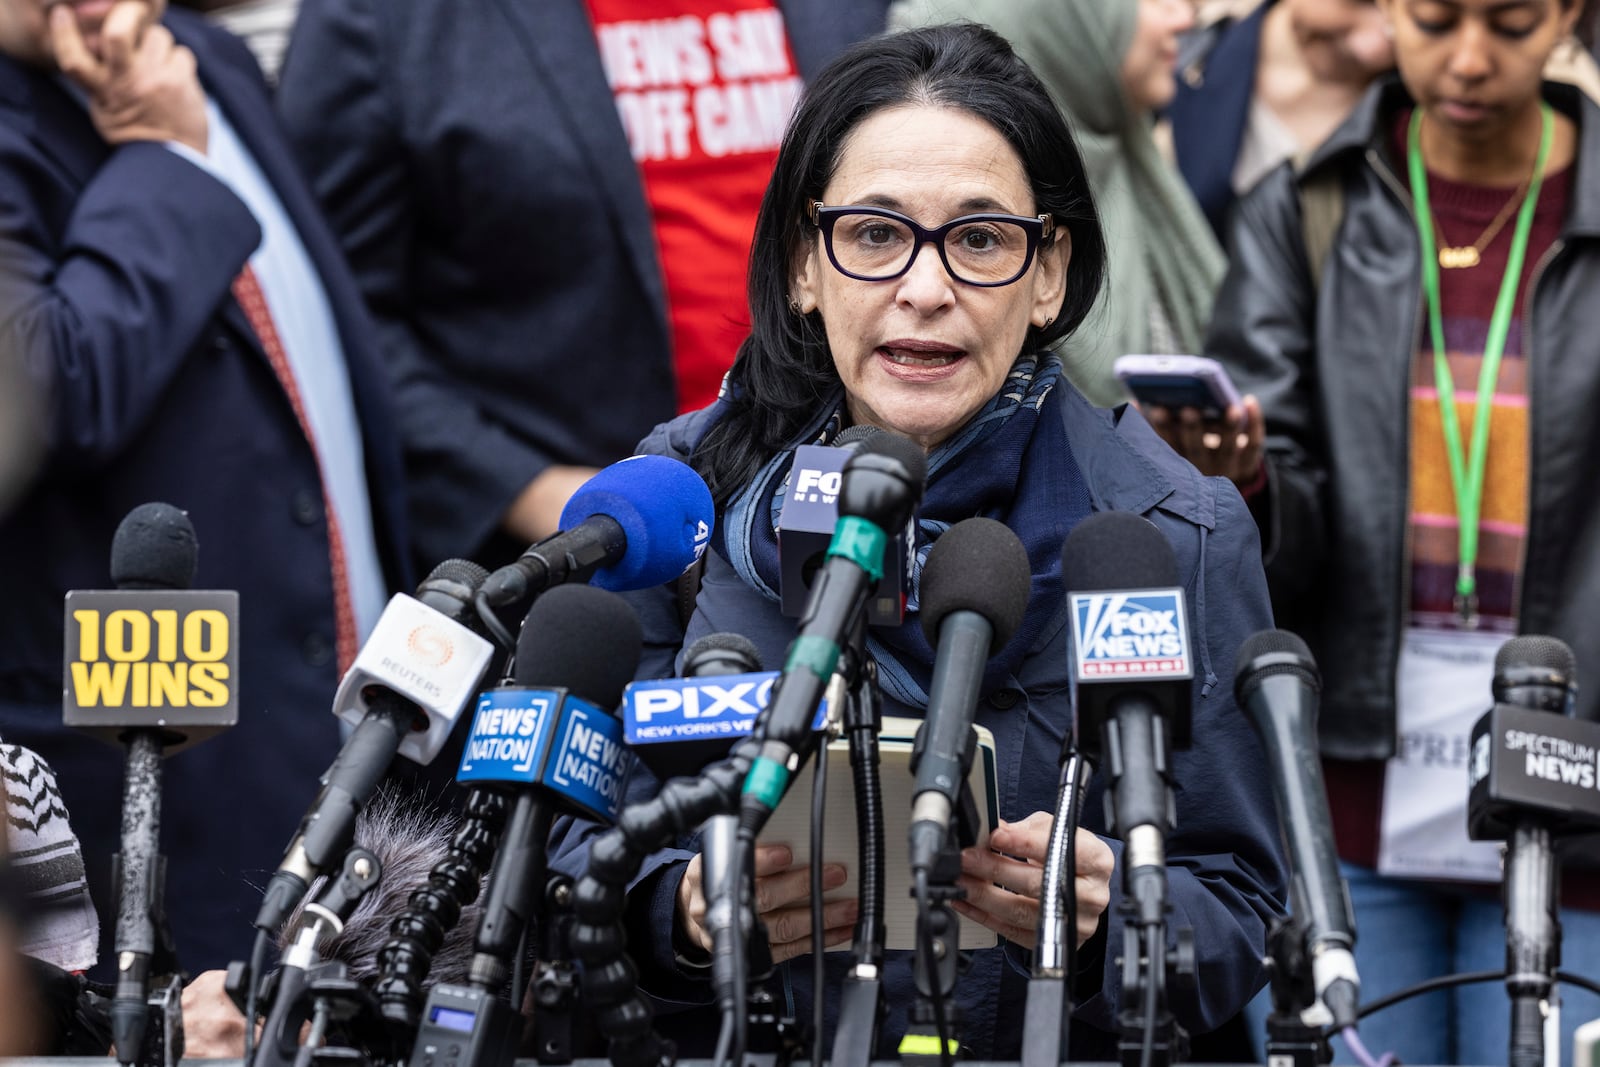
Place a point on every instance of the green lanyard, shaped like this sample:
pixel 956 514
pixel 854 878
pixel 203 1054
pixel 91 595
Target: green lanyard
pixel 1466 473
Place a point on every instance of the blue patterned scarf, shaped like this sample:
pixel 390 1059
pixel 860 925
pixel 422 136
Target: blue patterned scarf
pixel 1010 462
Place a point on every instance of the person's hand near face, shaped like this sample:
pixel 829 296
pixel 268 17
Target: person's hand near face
pixel 142 85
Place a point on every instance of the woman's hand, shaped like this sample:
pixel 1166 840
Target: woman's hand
pixel 782 901
pixel 1232 448
pixel 1004 881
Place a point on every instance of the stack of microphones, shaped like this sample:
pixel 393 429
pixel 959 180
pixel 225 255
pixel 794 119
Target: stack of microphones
pixel 546 741
pixel 557 721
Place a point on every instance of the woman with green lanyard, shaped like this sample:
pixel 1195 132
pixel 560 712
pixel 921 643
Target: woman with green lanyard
pixel 1414 317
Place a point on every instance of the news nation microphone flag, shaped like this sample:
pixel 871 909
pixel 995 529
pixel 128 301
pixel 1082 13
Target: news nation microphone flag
pixel 550 738
pixel 553 733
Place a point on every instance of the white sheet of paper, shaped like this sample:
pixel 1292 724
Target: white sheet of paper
pixel 1442 690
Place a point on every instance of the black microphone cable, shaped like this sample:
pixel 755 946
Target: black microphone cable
pixel 861 997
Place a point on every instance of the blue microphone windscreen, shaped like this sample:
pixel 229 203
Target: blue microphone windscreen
pixel 664 509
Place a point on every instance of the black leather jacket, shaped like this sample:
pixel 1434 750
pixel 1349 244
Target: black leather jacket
pixel 1331 369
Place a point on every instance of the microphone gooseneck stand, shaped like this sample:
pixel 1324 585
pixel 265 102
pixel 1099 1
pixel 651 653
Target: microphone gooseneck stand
pixel 610 981
pixel 1047 1016
pixel 861 1003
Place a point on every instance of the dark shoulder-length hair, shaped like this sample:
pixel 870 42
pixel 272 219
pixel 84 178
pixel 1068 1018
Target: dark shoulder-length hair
pixel 784 369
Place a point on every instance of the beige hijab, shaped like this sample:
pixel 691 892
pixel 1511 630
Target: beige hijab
pixel 1164 264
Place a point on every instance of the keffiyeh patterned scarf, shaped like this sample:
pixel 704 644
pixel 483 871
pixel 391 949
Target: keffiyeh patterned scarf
pixel 45 865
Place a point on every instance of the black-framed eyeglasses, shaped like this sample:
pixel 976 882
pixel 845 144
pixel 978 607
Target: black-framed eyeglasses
pixel 874 244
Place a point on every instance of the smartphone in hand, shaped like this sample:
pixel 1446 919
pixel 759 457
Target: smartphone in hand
pixel 1178 382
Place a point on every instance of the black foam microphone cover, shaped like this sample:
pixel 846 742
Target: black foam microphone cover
pixel 586 638
pixel 1117 550
pixel 855 437
pixel 154 548
pixel 904 449
pixel 1538 672
pixel 979 565
pixel 721 653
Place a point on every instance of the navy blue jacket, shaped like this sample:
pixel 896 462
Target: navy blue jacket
pixel 1216 81
pixel 117 264
pixel 1227 874
pixel 473 162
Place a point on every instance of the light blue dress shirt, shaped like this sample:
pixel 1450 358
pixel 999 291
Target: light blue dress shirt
pixel 310 337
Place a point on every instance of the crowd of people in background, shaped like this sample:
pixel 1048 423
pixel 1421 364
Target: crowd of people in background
pixel 388 285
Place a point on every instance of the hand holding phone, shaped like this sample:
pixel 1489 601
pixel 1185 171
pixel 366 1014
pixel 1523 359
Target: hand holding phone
pixel 1185 399
pixel 1178 382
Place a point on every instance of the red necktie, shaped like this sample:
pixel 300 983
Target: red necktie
pixel 247 290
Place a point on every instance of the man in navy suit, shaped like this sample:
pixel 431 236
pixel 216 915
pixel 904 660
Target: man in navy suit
pixel 189 333
pixel 547 205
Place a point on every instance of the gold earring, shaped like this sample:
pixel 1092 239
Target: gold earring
pixel 794 306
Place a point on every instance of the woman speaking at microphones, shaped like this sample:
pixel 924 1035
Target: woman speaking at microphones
pixel 928 235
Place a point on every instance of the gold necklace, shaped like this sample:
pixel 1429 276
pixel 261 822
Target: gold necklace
pixel 1460 257
pixel 1463 257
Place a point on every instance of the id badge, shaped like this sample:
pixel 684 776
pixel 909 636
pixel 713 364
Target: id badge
pixel 1442 689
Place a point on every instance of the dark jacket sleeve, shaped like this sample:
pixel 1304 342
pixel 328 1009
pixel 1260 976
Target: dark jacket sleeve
pixel 339 107
pixel 1227 873
pixel 105 312
pixel 1263 329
